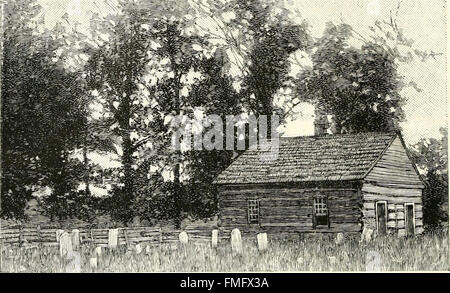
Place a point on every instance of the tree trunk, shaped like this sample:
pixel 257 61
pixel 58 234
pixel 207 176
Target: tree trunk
pixel 177 195
pixel 127 155
pixel 127 160
pixel 86 169
pixel 176 170
pixel 269 122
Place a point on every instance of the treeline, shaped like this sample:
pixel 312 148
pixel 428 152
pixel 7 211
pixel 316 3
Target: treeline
pixel 115 89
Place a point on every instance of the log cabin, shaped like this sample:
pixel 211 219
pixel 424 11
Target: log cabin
pixel 324 184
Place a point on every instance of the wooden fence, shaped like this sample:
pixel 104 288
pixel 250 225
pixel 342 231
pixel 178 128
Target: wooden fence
pixel 99 237
pixel 67 240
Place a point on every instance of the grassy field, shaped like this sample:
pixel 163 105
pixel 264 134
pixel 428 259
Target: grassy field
pixel 426 253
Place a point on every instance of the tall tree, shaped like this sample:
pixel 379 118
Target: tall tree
pixel 260 38
pixel 115 70
pixel 140 72
pixel 183 54
pixel 431 156
pixel 359 87
pixel 215 95
pixel 269 57
pixel 41 100
pixel 216 92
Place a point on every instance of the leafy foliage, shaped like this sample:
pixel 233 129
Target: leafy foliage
pixel 431 156
pixel 359 87
pixel 153 199
pixel 40 101
pixel 150 62
pixel 214 94
pixel 273 43
pixel 114 70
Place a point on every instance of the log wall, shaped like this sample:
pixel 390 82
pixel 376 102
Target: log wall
pixel 395 169
pixel 393 179
pixel 285 209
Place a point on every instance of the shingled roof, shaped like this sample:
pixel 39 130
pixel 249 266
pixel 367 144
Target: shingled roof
pixel 310 158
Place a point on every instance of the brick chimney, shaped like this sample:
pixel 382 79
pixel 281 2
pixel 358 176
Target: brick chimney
pixel 321 123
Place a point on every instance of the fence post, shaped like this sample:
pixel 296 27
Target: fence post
pixel 38 235
pixel 262 241
pixel 1 242
pixel 214 238
pixel 113 237
pixel 125 233
pixel 75 238
pixel 138 248
pixel 160 236
pixel 236 241
pixel 20 234
pixel 98 251
pixel 91 235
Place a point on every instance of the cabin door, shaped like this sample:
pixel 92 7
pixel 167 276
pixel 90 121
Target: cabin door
pixel 409 219
pixel 381 214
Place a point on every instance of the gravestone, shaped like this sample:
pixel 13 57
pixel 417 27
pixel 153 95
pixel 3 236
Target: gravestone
pixel 236 241
pixel 138 248
pixel 339 238
pixel 184 239
pixel 366 235
pixel 65 244
pixel 58 234
pixel 262 241
pixel 113 237
pixel 75 238
pixel 214 238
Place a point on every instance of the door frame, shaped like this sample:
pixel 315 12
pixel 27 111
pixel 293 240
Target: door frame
pixel 385 213
pixel 406 217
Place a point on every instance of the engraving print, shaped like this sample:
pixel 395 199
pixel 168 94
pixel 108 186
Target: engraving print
pixel 223 136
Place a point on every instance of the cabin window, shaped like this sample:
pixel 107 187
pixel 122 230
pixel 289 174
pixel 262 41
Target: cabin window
pixel 320 211
pixel 253 211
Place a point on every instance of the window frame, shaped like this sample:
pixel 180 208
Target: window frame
pixel 251 207
pixel 385 213
pixel 405 211
pixel 325 202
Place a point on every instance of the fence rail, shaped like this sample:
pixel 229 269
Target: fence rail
pixel 68 241
pixel 100 237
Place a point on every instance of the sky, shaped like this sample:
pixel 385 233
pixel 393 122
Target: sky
pixel 423 21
